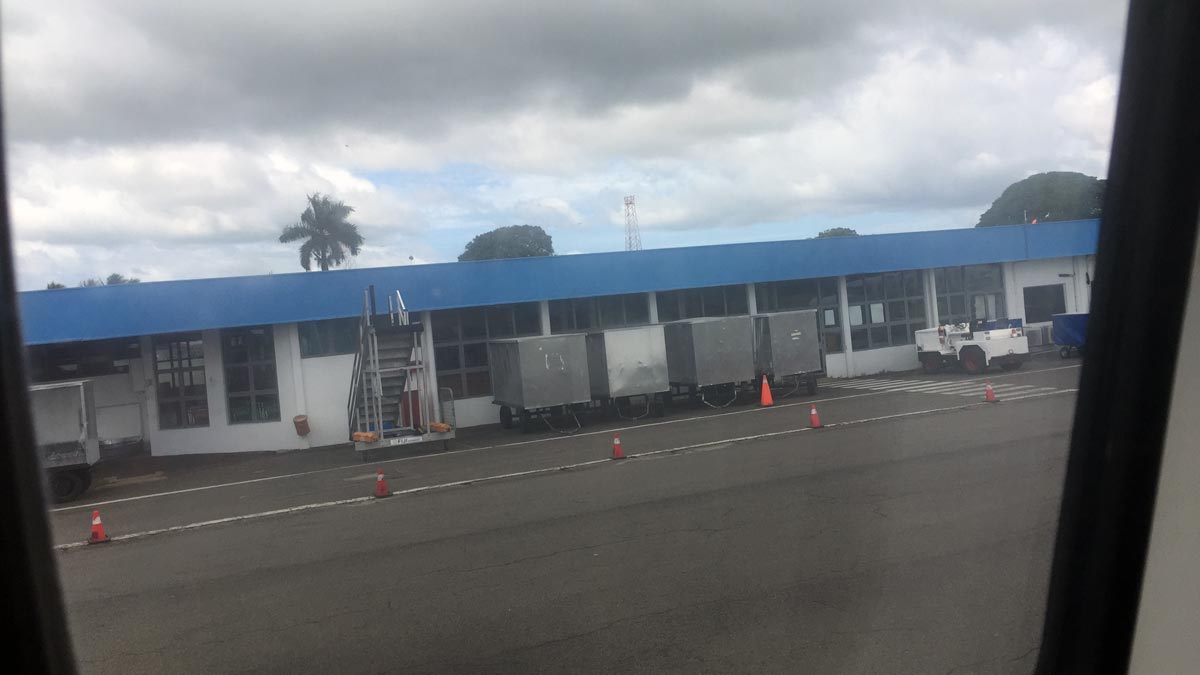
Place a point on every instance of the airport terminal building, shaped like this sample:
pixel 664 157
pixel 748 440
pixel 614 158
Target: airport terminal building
pixel 223 365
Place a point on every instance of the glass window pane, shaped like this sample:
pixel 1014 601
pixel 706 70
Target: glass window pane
pixel 735 300
pixel 169 414
pixel 873 287
pixel 856 315
pixel 473 323
pixel 266 408
pixel 237 379
pixel 854 290
pixel 693 304
pixel 830 317
pixel 193 382
pixel 714 301
pixel 500 322
pixel 474 355
pixel 943 308
pixel 261 345
pixel 479 383
pixel 913 286
pixel 877 312
pixel 916 309
pixel 829 291
pixel 954 280
pixel 195 413
pixel 637 309
pixel 264 377
pixel 585 314
pixel 528 317
pixel 879 336
pixel 445 325
pixel 893 285
pixel 668 305
pixel 562 316
pixel 900 334
pixel 858 339
pixel 453 381
pixel 447 357
pixel 234 348
pixel 895 310
pixel 958 305
pixel 345 336
pixel 239 409
pixel 833 341
pixel 764 297
pixel 611 311
pixel 310 338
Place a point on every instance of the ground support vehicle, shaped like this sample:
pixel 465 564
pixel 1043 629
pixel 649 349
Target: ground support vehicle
pixel 1070 333
pixel 64 416
pixel 972 348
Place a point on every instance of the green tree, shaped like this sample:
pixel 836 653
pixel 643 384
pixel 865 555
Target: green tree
pixel 1045 197
pixel 115 279
pixel 836 232
pixel 513 241
pixel 328 235
pixel 54 285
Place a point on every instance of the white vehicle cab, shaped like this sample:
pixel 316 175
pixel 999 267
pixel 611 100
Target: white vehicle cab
pixel 973 348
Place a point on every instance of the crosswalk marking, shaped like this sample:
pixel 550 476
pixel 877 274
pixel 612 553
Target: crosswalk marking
pixel 962 388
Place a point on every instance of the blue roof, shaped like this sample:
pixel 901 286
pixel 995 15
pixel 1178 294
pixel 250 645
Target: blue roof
pixel 150 308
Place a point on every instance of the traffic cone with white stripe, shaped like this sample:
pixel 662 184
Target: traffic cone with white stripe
pixel 617 452
pixel 814 420
pixel 97 536
pixel 988 394
pixel 381 488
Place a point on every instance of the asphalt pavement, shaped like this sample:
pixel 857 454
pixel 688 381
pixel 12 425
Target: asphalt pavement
pixel 912 534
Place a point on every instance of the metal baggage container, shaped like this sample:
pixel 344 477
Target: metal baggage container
pixel 539 372
pixel 627 362
pixel 787 343
pixel 704 352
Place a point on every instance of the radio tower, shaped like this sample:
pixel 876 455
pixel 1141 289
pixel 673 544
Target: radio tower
pixel 633 235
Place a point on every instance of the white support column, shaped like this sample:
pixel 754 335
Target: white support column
pixel 292 333
pixel 544 315
pixel 652 298
pixel 431 364
pixel 751 299
pixel 1014 302
pixel 931 306
pixel 844 309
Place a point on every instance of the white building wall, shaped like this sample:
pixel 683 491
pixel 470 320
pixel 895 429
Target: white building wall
pixel 220 436
pixel 1064 271
pixel 326 382
pixel 886 359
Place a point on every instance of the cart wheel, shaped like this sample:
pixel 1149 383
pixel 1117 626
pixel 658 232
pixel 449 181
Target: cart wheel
pixel 931 364
pixel 1064 352
pixel 506 417
pixel 65 485
pixel 811 386
pixel 973 360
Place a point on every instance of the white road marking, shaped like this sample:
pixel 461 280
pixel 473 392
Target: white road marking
pixel 1004 389
pixel 714 445
pixel 301 474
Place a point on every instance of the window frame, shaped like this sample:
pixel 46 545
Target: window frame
pixel 249 365
pixel 327 339
pixel 464 380
pixel 876 300
pixel 176 370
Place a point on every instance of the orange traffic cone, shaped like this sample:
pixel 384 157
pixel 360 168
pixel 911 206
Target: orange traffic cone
pixel 97 536
pixel 766 399
pixel 988 394
pixel 381 488
pixel 617 453
pixel 814 420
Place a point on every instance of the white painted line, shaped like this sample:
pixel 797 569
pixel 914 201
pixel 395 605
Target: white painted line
pixel 534 472
pixel 905 386
pixel 460 451
pixel 1006 390
pixel 548 439
pixel 958 388
pixel 1043 393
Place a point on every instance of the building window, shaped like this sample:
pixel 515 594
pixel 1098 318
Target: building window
pixel 695 303
pixel 1042 302
pixel 970 292
pixel 251 385
pixel 82 359
pixel 328 337
pixel 818 294
pixel 180 385
pixel 609 311
pixel 885 309
pixel 460 342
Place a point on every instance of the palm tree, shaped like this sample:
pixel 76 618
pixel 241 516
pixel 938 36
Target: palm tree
pixel 328 233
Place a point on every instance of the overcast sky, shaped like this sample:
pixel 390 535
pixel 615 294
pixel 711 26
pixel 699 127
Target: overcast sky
pixel 170 140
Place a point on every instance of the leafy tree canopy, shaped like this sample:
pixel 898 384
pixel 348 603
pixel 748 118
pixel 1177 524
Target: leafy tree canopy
pixel 54 285
pixel 837 232
pixel 513 241
pixel 113 279
pixel 1045 197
